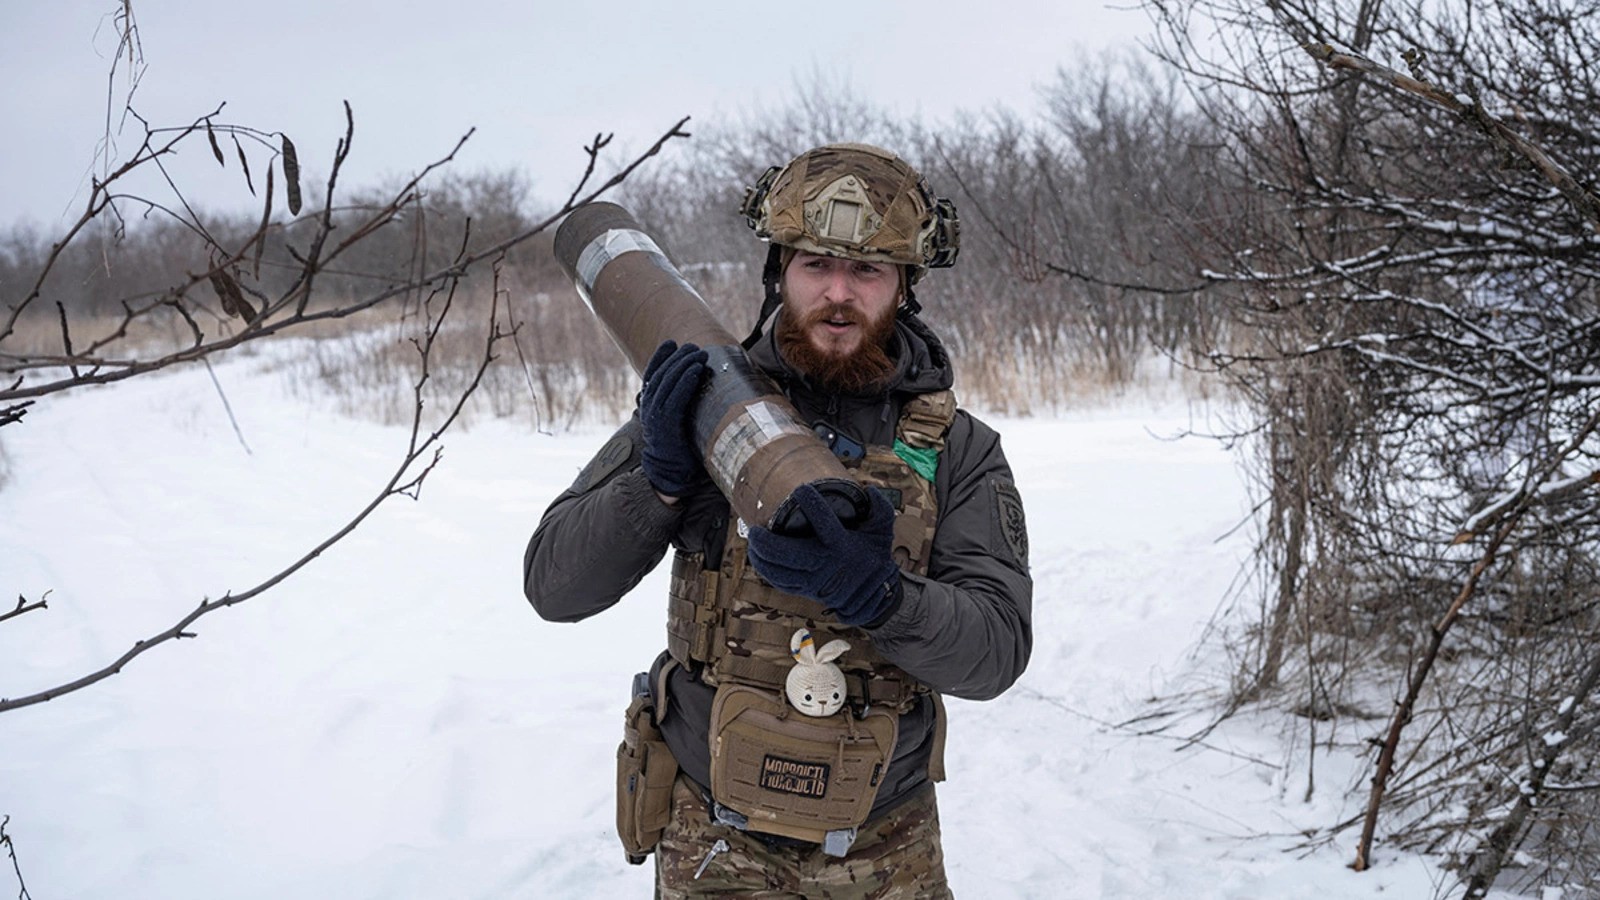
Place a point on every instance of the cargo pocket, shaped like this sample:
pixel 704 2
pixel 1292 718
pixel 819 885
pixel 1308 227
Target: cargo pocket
pixel 792 774
pixel 646 770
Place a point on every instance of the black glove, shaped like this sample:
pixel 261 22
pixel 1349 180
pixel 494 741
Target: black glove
pixel 671 380
pixel 850 571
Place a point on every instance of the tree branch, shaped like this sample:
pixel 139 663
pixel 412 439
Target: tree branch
pixel 23 606
pixel 404 481
pixel 1471 110
pixel 269 321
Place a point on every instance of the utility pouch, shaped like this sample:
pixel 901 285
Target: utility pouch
pixel 792 774
pixel 646 770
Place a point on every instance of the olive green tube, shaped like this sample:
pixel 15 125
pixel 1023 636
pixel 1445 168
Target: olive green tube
pixel 752 441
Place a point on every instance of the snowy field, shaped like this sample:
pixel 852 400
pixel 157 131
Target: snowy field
pixel 396 722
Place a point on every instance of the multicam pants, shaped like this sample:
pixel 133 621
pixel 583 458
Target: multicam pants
pixel 897 856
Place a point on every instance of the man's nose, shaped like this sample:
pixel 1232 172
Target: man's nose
pixel 839 288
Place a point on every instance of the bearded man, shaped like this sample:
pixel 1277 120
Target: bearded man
pixel 860 626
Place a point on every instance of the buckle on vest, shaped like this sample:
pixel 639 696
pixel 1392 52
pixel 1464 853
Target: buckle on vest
pixel 838 841
pixel 834 843
pixel 865 706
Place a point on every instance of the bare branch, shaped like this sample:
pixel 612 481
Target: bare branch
pixel 271 319
pixel 23 606
pixel 16 867
pixel 1471 110
pixel 405 480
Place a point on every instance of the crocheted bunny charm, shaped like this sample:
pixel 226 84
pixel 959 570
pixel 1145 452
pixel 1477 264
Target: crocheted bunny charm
pixel 815 685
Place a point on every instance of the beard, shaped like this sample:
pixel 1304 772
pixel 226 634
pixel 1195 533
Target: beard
pixel 861 371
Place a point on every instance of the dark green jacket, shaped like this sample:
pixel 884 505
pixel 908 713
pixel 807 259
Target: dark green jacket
pixel 964 630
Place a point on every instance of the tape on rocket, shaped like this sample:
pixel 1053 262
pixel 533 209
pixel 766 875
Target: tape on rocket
pixel 757 425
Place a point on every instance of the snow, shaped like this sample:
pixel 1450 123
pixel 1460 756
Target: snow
pixel 396 722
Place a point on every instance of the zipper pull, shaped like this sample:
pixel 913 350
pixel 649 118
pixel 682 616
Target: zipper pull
pixel 721 846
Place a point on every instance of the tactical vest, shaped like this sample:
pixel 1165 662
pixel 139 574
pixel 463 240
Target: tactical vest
pixel 736 628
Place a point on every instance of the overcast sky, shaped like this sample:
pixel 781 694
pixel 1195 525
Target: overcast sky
pixel 537 79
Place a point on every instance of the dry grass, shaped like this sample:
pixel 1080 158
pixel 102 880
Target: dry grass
pixel 563 371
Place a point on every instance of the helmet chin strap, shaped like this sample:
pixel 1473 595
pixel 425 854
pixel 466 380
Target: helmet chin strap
pixel 909 307
pixel 771 274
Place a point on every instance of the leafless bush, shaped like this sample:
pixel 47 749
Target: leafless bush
pixel 1033 198
pixel 1409 271
pixel 1077 249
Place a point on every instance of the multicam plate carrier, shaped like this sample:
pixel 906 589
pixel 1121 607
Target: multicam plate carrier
pixel 736 629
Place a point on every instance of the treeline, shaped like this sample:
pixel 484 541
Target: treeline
pixel 1091 177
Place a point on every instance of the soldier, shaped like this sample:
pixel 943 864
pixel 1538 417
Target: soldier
pixel 788 740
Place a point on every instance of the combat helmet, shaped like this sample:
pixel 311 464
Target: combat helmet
pixel 854 201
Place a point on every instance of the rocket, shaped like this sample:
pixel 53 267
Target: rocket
pixel 752 441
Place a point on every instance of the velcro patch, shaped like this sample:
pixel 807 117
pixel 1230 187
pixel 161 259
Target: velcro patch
pixel 790 776
pixel 1010 522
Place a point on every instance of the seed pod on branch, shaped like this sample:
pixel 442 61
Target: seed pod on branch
pixel 233 302
pixel 216 149
pixel 291 176
pixel 244 163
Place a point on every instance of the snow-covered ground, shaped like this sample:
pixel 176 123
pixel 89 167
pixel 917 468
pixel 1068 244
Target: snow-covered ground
pixel 396 722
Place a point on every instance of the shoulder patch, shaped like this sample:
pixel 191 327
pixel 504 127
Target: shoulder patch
pixel 1010 523
pixel 617 451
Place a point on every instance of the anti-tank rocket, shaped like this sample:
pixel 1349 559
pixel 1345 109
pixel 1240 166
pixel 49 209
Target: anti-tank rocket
pixel 754 445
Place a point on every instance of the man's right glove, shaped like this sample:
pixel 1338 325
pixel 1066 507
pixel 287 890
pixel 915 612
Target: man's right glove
pixel 671 381
pixel 850 571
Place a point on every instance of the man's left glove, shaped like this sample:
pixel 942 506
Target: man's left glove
pixel 851 571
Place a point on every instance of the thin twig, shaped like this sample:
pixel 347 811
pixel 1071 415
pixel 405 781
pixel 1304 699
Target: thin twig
pixel 227 406
pixel 16 867
pixel 23 606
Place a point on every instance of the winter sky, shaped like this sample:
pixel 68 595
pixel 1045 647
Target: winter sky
pixel 537 79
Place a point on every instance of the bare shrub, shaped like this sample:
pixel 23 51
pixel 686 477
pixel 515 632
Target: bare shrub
pixel 1033 199
pixel 1408 272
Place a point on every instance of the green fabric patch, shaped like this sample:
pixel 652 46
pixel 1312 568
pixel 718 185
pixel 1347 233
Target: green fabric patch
pixel 925 460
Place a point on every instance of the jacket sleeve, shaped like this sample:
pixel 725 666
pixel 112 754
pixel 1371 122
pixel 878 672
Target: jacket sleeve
pixel 967 628
pixel 600 537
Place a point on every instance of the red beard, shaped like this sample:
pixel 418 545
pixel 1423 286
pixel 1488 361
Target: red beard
pixel 863 371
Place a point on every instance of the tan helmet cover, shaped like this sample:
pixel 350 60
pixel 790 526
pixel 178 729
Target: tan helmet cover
pixel 855 201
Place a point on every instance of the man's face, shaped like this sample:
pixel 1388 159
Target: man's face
pixel 837 302
pixel 837 318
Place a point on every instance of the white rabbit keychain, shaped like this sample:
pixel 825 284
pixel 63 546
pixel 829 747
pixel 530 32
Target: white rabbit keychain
pixel 815 685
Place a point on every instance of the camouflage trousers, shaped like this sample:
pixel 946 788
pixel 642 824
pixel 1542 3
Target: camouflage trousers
pixel 897 855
